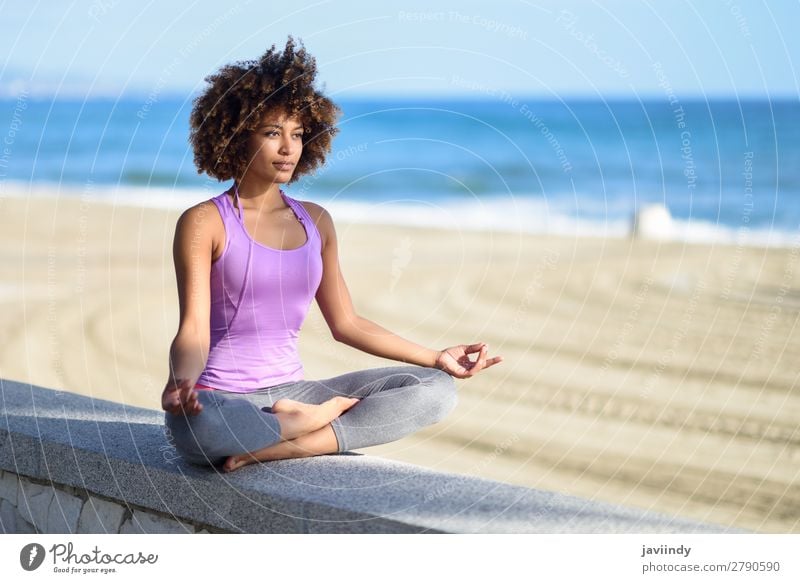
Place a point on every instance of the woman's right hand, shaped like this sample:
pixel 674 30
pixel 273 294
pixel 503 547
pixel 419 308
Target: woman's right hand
pixel 180 397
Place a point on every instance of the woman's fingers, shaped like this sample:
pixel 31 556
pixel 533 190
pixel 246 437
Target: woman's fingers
pixel 477 347
pixel 190 400
pixel 182 397
pixel 192 404
pixel 481 361
pixel 190 408
pixel 484 362
pixel 466 367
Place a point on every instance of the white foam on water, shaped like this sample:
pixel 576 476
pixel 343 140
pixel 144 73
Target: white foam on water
pixel 518 214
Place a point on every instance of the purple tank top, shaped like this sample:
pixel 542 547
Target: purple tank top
pixel 260 297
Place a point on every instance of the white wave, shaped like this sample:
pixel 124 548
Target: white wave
pixel 509 214
pixel 536 216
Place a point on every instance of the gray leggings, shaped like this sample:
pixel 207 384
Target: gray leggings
pixel 395 401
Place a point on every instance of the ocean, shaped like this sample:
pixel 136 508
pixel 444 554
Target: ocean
pixel 727 170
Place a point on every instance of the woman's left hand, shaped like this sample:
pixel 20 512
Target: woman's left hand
pixel 454 360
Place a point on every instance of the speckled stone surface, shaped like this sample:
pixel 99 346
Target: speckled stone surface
pixel 100 516
pixel 122 454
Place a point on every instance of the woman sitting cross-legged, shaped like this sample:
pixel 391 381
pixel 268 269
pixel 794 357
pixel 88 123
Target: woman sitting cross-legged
pixel 248 263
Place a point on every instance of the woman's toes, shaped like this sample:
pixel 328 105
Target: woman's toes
pixel 346 402
pixel 343 403
pixel 233 463
pixel 286 406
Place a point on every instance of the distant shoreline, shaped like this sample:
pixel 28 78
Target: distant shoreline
pixel 508 216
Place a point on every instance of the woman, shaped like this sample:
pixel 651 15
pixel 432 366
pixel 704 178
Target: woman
pixel 248 263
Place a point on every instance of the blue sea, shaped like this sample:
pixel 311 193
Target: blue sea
pixel 727 170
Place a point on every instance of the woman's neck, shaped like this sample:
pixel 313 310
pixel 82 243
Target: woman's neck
pixel 265 197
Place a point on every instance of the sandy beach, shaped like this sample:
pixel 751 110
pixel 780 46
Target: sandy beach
pixel 657 375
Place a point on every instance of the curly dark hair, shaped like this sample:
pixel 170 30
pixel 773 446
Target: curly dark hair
pixel 238 96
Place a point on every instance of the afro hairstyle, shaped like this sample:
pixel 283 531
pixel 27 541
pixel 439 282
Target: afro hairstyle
pixel 236 99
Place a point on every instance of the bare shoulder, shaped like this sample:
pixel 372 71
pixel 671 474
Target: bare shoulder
pixel 321 218
pixel 202 222
pixel 198 213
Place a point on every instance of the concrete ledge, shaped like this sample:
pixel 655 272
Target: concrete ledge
pixel 75 464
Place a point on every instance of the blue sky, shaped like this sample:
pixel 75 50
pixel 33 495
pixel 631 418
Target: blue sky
pixel 403 48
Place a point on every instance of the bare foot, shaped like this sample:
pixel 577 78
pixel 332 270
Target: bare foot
pixel 296 419
pixel 238 461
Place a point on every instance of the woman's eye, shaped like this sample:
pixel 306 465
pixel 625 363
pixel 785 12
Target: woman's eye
pixel 270 134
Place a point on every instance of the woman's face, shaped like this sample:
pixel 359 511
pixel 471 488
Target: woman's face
pixel 274 147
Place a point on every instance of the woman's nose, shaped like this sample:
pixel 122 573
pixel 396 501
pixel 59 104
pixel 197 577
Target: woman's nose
pixel 286 146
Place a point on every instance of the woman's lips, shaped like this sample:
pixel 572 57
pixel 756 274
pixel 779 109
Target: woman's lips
pixel 283 165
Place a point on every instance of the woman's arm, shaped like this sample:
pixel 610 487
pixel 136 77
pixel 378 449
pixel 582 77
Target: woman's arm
pixel 368 336
pixel 350 328
pixel 337 308
pixel 191 250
